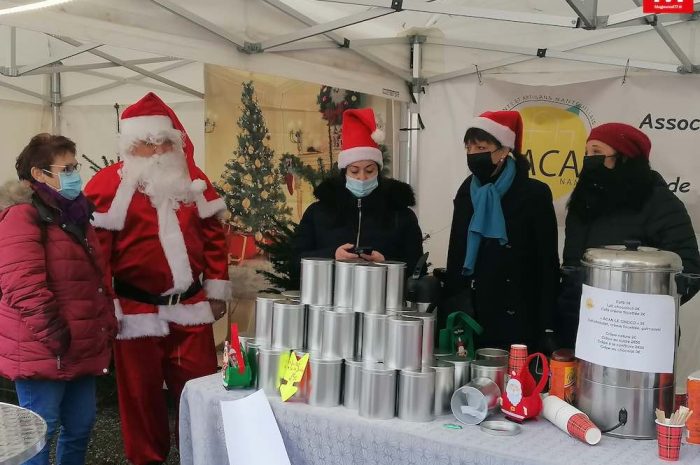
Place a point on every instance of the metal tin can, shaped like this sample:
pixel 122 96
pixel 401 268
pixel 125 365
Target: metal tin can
pixel 317 281
pixel 417 395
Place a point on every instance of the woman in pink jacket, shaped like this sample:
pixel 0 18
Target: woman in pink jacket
pixel 56 321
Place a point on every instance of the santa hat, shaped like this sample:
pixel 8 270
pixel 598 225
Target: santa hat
pixel 361 135
pixel 505 126
pixel 627 140
pixel 150 119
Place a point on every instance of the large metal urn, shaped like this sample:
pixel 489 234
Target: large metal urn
pixel 623 401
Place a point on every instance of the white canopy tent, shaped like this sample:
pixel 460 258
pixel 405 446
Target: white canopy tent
pixel 392 48
pixel 405 50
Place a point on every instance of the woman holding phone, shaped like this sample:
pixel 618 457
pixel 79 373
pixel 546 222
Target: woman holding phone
pixel 361 213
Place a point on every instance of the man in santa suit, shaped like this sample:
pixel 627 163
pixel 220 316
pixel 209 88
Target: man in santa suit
pixel 156 215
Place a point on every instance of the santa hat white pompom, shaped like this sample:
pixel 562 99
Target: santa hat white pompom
pixel 198 186
pixel 378 135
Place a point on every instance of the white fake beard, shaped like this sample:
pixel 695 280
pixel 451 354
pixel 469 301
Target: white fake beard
pixel 161 177
pixel 514 391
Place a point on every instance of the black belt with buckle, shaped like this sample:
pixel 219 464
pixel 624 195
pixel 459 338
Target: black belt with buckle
pixel 130 292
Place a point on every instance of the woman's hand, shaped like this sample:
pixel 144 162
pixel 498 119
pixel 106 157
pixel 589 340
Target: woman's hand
pixel 374 257
pixel 343 252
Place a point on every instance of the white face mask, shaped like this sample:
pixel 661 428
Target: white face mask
pixel 361 188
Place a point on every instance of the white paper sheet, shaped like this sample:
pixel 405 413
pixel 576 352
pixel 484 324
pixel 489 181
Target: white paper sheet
pixel 626 330
pixel 251 431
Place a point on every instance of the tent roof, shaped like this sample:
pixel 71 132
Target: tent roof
pixel 301 38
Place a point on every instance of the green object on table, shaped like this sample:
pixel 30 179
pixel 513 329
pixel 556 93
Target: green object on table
pixel 459 325
pixel 451 426
pixel 233 378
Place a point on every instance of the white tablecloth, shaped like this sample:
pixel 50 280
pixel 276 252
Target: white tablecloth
pixel 330 436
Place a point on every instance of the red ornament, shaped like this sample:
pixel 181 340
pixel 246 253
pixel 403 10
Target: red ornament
pixel 289 179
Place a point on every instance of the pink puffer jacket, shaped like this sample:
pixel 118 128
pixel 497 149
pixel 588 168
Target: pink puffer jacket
pixel 55 320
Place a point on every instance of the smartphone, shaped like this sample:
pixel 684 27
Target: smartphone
pixel 362 250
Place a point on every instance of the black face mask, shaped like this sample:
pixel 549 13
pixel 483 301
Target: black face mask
pixel 481 165
pixel 594 169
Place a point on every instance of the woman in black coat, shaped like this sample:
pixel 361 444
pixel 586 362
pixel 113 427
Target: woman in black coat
pixel 508 276
pixel 618 198
pixel 361 208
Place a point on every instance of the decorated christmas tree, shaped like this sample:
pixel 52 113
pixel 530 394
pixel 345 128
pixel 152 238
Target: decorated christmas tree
pixel 250 185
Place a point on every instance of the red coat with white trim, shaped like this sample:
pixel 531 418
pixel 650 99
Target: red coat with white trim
pixel 161 251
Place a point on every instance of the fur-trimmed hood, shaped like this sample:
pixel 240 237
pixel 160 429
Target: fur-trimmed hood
pixel 14 193
pixel 391 194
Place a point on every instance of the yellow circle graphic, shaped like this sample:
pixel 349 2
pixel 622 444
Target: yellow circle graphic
pixel 554 141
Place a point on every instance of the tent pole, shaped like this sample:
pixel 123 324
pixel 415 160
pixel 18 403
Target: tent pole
pixel 55 91
pixel 414 123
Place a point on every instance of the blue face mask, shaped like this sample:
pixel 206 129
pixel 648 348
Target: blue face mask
pixel 71 185
pixel 360 188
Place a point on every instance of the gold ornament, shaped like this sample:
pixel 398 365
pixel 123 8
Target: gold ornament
pixel 241 160
pixel 257 163
pixel 248 178
pixel 264 195
pixel 251 150
pixel 258 236
pixel 246 203
pixel 269 179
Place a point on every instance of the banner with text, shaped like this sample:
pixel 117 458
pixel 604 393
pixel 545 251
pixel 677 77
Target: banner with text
pixel 557 120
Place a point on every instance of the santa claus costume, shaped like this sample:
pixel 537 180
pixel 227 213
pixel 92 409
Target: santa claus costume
pixel 157 220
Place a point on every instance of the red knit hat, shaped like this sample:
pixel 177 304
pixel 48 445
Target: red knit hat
pixel 625 139
pixel 151 119
pixel 505 126
pixel 360 138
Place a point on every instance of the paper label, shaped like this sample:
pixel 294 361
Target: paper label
pixel 627 331
pixel 293 375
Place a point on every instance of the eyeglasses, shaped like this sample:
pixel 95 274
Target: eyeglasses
pixel 69 169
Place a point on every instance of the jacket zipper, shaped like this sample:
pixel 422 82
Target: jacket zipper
pixel 359 222
pixel 58 362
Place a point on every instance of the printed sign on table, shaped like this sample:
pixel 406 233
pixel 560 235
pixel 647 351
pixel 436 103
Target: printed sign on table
pixel 626 330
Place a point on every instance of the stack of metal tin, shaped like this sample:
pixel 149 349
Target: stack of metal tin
pixel 351 318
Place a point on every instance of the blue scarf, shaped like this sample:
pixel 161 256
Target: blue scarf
pixel 487 220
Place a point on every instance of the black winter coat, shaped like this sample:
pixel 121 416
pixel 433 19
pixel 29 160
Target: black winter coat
pixel 514 285
pixel 661 221
pixel 389 226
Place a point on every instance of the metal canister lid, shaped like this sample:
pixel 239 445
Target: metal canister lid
pixel 500 428
pixel 631 257
pixel 490 365
pixel 563 355
pixel 392 264
pixel 440 366
pixel 419 315
pixel 424 372
pixel 404 321
pixel 368 267
pixel 294 295
pixel 293 304
pixel 269 297
pixel 316 260
pixel 316 360
pixel 456 359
